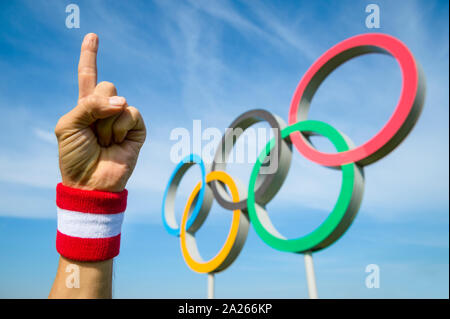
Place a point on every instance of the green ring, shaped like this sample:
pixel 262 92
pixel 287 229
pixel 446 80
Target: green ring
pixel 343 212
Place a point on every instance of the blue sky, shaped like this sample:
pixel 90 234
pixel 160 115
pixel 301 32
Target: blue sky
pixel 179 61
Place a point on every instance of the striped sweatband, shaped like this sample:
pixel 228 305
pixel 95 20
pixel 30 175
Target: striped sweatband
pixel 89 223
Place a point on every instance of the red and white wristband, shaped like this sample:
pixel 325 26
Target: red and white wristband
pixel 89 223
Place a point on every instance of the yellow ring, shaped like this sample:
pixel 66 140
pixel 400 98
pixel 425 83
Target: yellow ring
pixel 215 262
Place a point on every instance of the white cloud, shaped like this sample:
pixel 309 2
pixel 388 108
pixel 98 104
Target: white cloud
pixel 45 136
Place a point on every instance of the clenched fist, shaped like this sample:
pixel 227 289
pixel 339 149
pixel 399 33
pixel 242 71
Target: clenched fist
pixel 99 140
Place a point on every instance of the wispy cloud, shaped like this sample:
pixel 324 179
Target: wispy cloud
pixel 45 136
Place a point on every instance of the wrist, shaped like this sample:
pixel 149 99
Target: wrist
pixel 89 223
pixel 104 186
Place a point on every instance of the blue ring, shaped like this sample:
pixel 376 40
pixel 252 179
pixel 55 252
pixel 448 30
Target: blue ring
pixel 195 159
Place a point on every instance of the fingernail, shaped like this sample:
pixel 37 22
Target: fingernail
pixel 90 41
pixel 117 100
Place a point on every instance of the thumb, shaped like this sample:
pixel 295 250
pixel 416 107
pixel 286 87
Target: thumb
pixel 90 109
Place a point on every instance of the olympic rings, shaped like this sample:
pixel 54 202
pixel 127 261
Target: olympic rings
pixel 263 187
pixel 236 236
pixel 398 126
pixel 339 219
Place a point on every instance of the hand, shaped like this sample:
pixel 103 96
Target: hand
pixel 99 140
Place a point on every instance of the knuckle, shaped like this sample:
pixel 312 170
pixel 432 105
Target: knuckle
pixel 87 70
pixel 106 86
pixel 134 112
pixel 88 101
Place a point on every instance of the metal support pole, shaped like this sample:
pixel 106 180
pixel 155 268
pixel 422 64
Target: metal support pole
pixel 310 276
pixel 211 286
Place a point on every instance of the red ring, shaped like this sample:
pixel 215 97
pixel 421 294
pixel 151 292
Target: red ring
pixel 401 121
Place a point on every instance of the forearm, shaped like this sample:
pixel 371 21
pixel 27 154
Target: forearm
pixel 77 279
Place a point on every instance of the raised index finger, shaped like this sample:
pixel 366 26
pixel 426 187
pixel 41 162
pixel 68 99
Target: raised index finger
pixel 87 67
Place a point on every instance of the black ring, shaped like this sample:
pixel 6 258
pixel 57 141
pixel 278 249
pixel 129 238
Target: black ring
pixel 263 193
